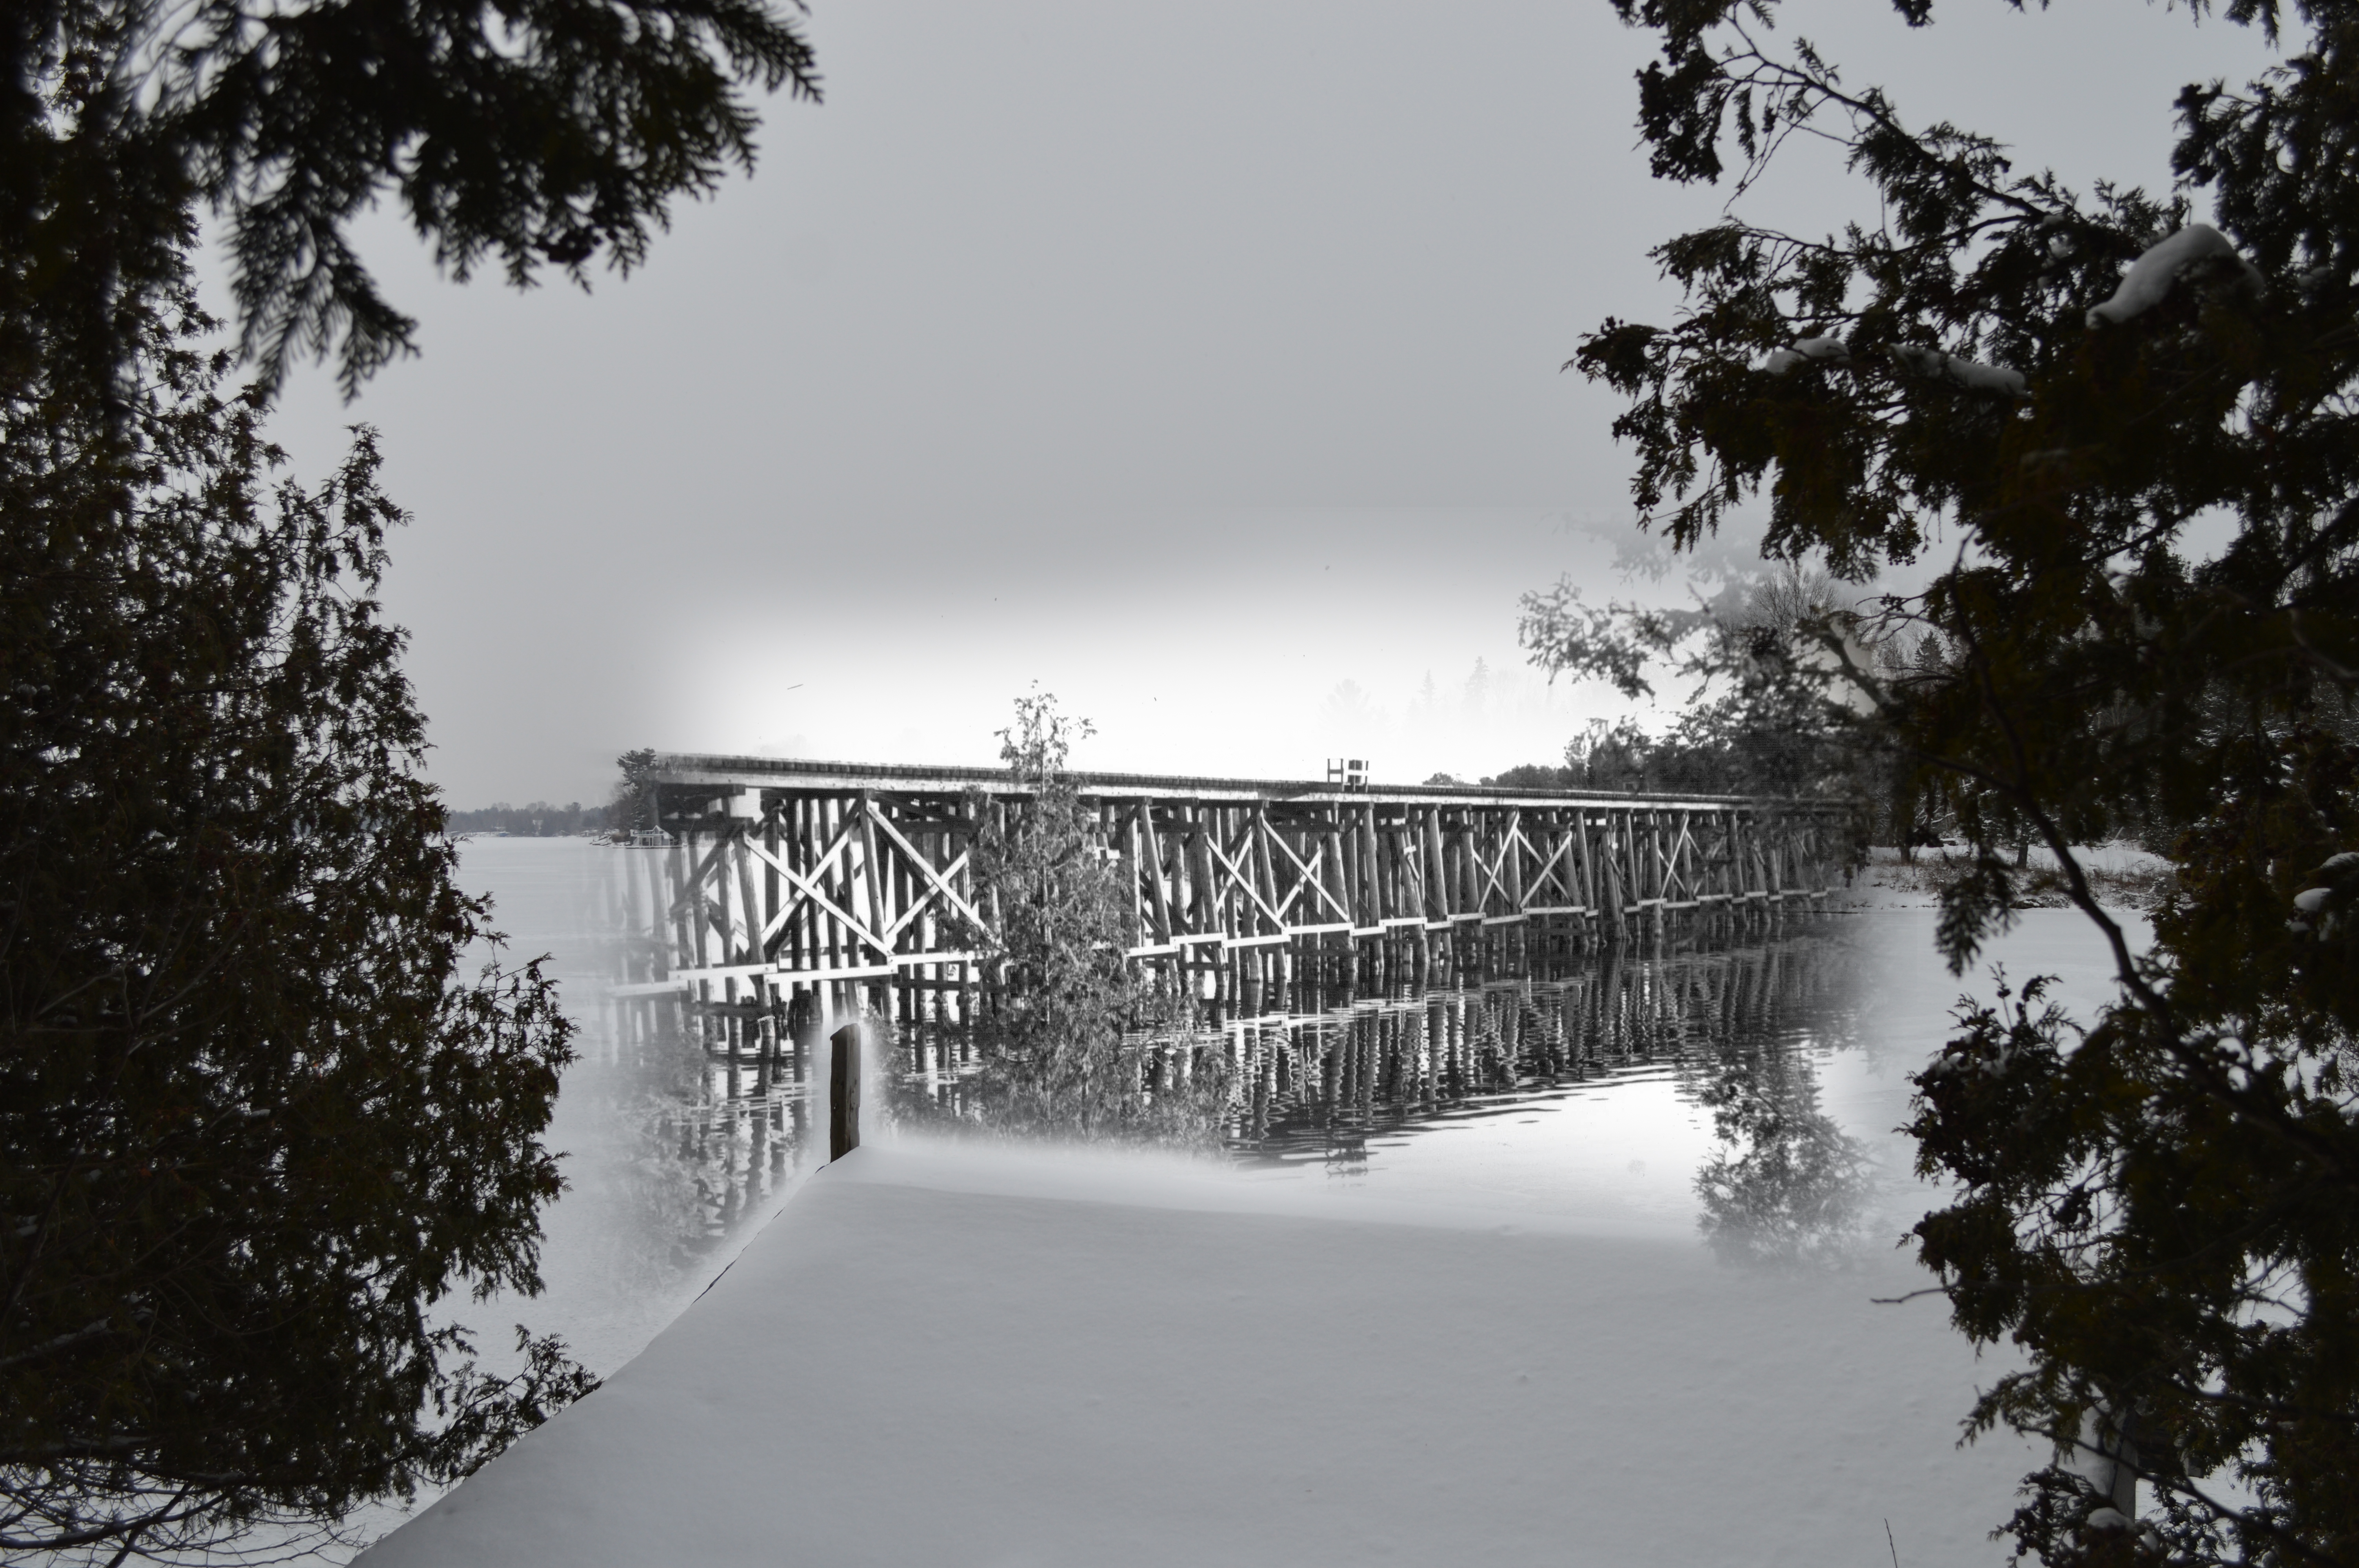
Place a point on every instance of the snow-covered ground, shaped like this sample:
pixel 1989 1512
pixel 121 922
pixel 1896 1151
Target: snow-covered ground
pixel 996 1356
pixel 2124 876
pixel 971 1358
pixel 629 1245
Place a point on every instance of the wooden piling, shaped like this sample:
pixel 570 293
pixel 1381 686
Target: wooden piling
pixel 843 1092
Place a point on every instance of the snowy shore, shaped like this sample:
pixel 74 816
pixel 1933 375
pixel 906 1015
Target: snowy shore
pixel 988 1356
pixel 2124 877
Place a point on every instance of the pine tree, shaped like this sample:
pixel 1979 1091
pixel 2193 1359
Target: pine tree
pixel 2162 1211
pixel 1767 714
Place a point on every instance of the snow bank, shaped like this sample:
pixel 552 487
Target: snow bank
pixel 962 1358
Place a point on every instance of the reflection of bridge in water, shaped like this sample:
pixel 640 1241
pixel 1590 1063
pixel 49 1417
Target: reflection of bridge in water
pixel 1343 1066
pixel 1320 1084
pixel 790 893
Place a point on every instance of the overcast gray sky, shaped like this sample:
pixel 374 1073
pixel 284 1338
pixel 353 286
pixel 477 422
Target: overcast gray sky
pixel 1195 360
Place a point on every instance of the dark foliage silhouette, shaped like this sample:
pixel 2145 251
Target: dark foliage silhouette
pixel 2163 1211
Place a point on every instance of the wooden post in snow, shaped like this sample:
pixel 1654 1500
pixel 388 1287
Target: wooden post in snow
pixel 843 1092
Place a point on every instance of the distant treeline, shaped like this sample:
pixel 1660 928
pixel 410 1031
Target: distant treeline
pixel 1527 775
pixel 538 820
pixel 1729 747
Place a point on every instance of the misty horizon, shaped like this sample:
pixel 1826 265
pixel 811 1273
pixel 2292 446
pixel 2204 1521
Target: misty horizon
pixel 1188 362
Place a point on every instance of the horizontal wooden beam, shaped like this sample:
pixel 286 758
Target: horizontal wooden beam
pixel 730 774
pixel 779 974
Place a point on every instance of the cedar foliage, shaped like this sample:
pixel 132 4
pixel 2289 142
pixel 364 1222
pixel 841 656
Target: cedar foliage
pixel 249 1130
pixel 253 1125
pixel 527 136
pixel 2162 1212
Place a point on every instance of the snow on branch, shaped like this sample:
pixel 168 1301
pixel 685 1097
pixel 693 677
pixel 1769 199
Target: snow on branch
pixel 2151 277
pixel 1966 372
pixel 1832 350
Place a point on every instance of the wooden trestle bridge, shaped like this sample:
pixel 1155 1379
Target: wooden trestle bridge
pixel 824 887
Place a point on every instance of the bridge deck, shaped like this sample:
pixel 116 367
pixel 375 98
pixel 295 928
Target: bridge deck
pixel 723 774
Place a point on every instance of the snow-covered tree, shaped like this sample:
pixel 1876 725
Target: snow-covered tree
pixel 2163 1210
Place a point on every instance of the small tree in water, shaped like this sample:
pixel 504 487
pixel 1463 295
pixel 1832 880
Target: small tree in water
pixel 1081 1040
pixel 632 807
